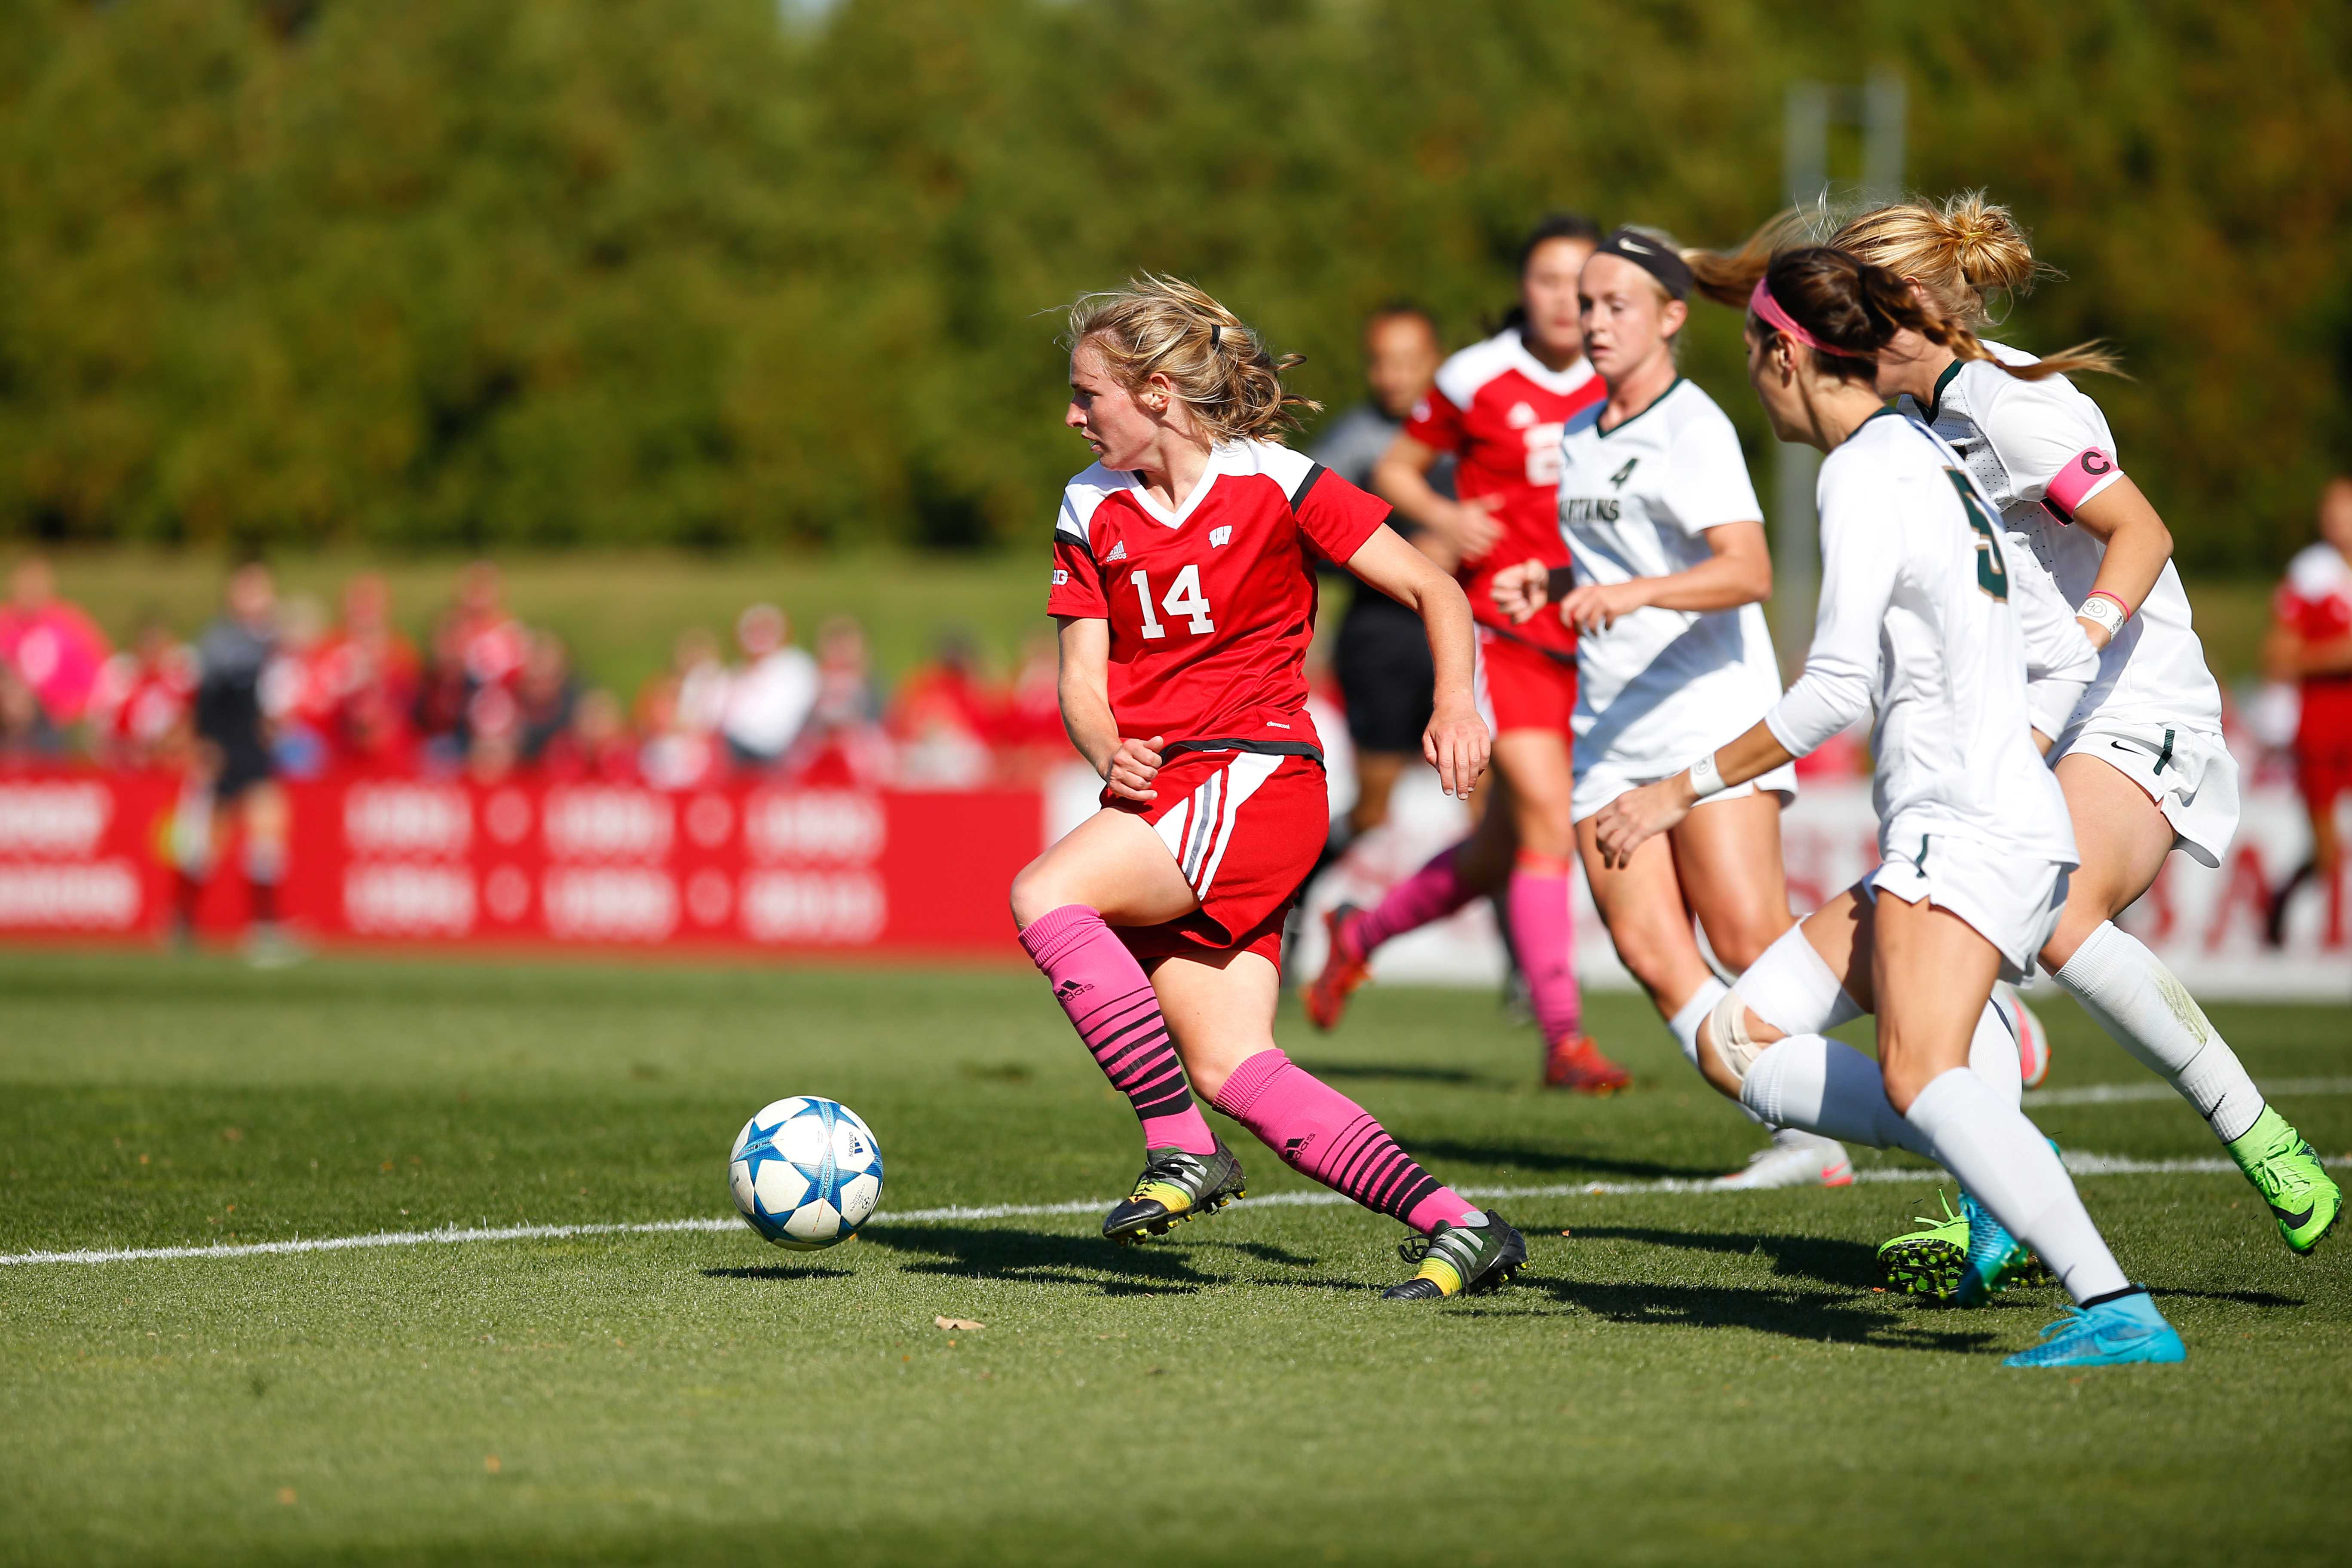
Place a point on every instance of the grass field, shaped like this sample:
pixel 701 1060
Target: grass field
pixel 1684 1377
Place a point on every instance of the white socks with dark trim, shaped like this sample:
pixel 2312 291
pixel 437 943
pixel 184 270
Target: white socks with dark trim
pixel 2144 1009
pixel 2012 1169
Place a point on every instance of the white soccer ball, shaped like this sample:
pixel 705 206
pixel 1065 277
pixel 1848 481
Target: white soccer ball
pixel 805 1173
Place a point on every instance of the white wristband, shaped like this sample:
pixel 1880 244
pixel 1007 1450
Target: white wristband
pixel 1706 779
pixel 2103 610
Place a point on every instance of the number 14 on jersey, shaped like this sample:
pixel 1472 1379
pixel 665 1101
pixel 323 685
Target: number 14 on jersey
pixel 1184 600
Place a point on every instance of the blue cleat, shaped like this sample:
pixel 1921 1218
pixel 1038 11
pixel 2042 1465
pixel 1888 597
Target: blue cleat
pixel 1996 1259
pixel 2118 1331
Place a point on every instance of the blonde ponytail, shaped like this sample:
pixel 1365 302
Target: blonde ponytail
pixel 1213 360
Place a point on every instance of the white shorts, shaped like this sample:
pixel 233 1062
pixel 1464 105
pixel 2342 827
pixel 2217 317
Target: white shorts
pixel 2189 774
pixel 2012 903
pixel 1607 779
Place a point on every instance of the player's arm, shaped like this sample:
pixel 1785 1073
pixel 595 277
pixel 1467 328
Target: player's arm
pixel 1453 531
pixel 2139 545
pixel 1738 570
pixel 1126 765
pixel 1455 744
pixel 1859 565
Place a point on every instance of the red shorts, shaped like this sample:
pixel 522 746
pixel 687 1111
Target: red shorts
pixel 1521 687
pixel 1246 828
pixel 2320 775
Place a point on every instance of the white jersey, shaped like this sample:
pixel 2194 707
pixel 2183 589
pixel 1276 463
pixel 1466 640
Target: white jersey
pixel 1659 689
pixel 2025 443
pixel 1916 620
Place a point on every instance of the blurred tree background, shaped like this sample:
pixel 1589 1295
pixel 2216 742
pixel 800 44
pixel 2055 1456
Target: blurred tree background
pixel 388 275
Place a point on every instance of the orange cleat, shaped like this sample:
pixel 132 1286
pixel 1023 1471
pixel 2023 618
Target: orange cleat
pixel 1345 967
pixel 1578 1064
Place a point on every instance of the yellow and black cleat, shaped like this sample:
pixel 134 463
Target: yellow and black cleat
pixel 1460 1259
pixel 1175 1186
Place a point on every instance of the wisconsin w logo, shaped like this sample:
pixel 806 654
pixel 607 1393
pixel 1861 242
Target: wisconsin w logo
pixel 1622 474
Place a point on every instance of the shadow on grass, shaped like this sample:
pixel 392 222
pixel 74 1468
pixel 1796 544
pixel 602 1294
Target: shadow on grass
pixel 2265 1299
pixel 1830 1262
pixel 1411 1071
pixel 776 1271
pixel 1044 1257
pixel 1819 1316
pixel 1550 1161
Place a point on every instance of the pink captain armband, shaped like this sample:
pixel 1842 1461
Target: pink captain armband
pixel 2086 473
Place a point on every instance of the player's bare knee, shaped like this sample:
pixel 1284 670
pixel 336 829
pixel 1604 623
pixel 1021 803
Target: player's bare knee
pixel 1035 893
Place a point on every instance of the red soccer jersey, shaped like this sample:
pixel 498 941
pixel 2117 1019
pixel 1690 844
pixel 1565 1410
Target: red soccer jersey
pixel 1211 608
pixel 2315 600
pixel 1498 409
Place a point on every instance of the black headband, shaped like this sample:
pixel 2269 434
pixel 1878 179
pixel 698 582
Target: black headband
pixel 1652 257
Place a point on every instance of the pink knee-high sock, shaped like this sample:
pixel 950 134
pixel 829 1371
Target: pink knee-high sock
pixel 1322 1133
pixel 1544 933
pixel 1112 1006
pixel 1431 893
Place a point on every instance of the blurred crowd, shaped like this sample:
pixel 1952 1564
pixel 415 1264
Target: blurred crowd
pixel 312 692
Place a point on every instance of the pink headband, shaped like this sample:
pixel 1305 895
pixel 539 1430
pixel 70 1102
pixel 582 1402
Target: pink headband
pixel 1768 310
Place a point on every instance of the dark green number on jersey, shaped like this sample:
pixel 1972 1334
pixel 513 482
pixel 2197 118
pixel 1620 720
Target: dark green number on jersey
pixel 1993 572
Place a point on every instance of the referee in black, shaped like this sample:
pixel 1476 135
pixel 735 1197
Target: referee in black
pixel 1380 655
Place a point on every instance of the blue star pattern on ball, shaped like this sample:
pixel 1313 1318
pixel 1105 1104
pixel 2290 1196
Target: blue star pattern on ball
pixel 805 1173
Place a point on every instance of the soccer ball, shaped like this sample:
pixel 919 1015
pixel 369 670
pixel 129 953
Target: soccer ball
pixel 805 1172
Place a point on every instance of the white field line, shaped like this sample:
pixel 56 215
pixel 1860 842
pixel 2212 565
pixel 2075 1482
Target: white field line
pixel 2080 1164
pixel 2157 1089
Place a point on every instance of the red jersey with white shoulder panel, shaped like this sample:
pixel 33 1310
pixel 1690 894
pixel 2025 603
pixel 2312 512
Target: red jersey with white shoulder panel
pixel 1499 409
pixel 2315 600
pixel 1212 606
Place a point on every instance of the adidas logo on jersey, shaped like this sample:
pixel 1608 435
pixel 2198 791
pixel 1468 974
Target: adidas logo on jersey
pixel 1217 536
pixel 1520 416
pixel 1117 552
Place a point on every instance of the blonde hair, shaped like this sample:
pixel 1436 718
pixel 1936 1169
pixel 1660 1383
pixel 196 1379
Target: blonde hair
pixel 1957 251
pixel 1212 358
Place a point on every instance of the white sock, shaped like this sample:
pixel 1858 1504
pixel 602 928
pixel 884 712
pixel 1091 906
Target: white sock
pixel 2009 1168
pixel 1824 1086
pixel 2144 1009
pixel 1792 990
pixel 1683 1024
pixel 1993 1056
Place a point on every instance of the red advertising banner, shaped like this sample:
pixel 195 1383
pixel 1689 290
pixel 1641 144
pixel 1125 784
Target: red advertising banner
pixel 747 867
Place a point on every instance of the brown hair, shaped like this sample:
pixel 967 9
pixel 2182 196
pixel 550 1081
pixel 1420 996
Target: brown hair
pixel 1956 250
pixel 1214 361
pixel 1852 309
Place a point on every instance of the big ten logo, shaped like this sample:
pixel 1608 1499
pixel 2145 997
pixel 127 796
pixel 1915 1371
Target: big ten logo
pixel 58 820
pixel 597 823
pixel 831 908
pixel 610 903
pixel 408 899
pixel 1543 453
pixel 427 820
pixel 824 825
pixel 74 896
pixel 394 898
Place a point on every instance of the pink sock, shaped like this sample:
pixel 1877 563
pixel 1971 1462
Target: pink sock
pixel 1322 1133
pixel 1112 1006
pixel 1430 894
pixel 1544 934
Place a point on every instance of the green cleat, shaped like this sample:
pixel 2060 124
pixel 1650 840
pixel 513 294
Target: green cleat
pixel 1459 1259
pixel 1960 1260
pixel 2286 1171
pixel 1175 1186
pixel 1927 1262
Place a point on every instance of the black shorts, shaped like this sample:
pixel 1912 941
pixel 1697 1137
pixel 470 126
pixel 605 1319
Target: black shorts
pixel 1381 657
pixel 243 766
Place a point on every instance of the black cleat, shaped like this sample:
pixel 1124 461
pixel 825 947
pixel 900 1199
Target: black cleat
pixel 1174 1187
pixel 1460 1259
